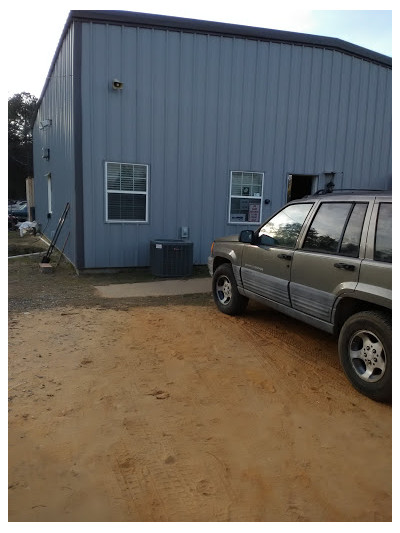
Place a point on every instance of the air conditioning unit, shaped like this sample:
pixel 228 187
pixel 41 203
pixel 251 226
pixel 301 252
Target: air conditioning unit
pixel 171 258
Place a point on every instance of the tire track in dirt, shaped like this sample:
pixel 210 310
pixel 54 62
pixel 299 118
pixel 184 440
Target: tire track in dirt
pixel 166 486
pixel 207 389
pixel 185 414
pixel 200 402
pixel 305 355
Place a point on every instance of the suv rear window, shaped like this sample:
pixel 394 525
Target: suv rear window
pixel 350 245
pixel 383 237
pixel 336 228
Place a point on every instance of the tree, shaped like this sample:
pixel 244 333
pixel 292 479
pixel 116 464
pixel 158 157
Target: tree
pixel 286 234
pixel 21 108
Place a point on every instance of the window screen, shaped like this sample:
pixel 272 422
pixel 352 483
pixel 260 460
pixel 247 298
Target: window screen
pixel 126 192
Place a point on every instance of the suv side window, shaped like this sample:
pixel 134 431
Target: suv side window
pixel 337 228
pixel 383 237
pixel 284 228
pixel 350 245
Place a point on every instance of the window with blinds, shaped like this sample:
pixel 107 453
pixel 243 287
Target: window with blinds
pixel 126 192
pixel 245 197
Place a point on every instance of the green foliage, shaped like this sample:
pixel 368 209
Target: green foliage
pixel 21 108
pixel 286 234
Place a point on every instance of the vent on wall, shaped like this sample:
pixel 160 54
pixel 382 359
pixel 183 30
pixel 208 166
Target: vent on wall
pixel 171 258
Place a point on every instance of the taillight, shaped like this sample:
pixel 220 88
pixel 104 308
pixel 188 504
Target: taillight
pixel 212 247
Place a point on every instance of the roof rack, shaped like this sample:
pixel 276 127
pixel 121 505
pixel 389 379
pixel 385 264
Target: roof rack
pixel 330 190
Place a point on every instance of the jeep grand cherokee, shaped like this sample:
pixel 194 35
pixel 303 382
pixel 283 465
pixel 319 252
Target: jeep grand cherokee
pixel 326 260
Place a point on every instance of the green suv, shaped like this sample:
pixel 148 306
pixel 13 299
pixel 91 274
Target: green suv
pixel 326 260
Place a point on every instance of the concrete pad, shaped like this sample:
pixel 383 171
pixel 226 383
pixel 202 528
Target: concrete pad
pixel 170 287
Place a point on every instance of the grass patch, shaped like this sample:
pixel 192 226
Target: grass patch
pixel 30 289
pixel 28 244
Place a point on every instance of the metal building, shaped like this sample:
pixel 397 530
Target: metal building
pixel 156 127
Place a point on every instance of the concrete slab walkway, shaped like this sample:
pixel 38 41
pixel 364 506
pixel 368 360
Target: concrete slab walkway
pixel 169 287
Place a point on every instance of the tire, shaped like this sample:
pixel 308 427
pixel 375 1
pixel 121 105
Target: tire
pixel 365 352
pixel 225 292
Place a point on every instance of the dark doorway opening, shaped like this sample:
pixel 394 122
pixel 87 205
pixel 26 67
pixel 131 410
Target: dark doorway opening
pixel 300 185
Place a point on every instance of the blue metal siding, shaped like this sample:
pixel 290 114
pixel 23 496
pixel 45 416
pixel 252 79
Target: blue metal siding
pixel 194 107
pixel 57 105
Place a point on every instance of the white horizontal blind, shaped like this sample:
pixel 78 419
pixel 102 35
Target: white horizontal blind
pixel 126 192
pixel 245 197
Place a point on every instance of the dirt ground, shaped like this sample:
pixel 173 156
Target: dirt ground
pixel 165 410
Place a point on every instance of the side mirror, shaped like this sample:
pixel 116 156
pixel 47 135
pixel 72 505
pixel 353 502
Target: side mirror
pixel 266 240
pixel 247 236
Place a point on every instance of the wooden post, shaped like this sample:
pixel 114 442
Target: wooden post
pixel 30 198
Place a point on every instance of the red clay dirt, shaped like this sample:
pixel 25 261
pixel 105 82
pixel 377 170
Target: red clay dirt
pixel 180 413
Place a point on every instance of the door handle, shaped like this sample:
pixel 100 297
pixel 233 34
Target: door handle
pixel 285 256
pixel 344 266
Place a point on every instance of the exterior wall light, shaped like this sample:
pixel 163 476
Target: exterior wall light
pixel 117 85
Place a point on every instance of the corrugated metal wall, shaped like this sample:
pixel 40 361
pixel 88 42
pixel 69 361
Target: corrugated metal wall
pixel 194 107
pixel 57 105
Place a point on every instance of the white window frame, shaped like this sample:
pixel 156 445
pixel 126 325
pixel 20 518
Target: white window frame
pixel 135 192
pixel 247 197
pixel 49 193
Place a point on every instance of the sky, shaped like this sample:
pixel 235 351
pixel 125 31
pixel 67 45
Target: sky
pixel 31 36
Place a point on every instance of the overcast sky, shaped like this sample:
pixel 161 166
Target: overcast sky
pixel 32 29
